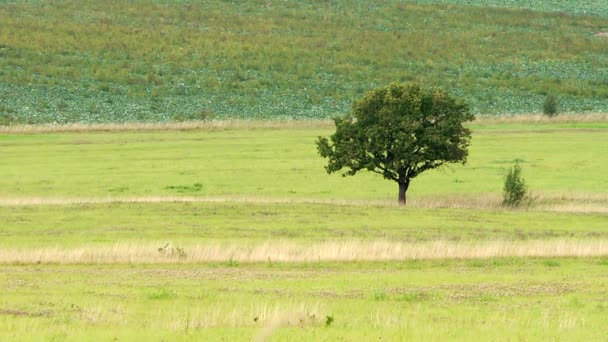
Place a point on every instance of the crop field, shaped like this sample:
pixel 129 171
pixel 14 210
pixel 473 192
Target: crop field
pixel 233 231
pixel 166 61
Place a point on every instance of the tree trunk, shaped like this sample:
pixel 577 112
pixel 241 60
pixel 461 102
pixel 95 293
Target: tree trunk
pixel 402 190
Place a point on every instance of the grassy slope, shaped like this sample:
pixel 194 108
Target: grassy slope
pixel 456 300
pixel 151 61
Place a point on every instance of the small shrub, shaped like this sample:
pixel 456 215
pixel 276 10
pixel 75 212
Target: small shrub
pixel 6 119
pixel 380 295
pixel 232 263
pixel 550 106
pixel 515 190
pixel 551 263
pixel 162 294
pixel 329 320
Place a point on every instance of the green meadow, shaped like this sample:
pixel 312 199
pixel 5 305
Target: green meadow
pixel 496 299
pixel 283 163
pixel 235 232
pixel 159 178
pixel 163 61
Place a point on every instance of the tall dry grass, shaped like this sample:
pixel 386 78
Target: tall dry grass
pixel 285 251
pixel 540 118
pixel 583 202
pixel 276 124
pixel 167 126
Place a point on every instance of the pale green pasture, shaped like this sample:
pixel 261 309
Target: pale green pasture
pixel 487 299
pixel 498 299
pixel 283 163
pixel 187 224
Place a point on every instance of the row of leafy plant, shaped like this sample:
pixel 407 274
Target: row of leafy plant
pixel 89 61
pixel 588 7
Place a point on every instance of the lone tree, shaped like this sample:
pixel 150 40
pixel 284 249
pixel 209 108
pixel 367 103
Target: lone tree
pixel 399 131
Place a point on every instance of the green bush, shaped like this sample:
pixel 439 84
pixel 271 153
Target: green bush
pixel 6 119
pixel 515 190
pixel 550 106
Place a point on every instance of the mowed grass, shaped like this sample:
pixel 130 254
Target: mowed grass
pixel 284 164
pixel 496 299
pixel 190 224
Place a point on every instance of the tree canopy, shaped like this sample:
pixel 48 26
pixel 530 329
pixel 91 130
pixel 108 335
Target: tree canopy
pixel 399 131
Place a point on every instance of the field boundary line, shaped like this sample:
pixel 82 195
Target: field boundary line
pixel 277 124
pixel 554 202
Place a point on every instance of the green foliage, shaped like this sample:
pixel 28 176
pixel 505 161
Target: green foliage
pixel 399 132
pixel 550 105
pixel 329 320
pixel 589 7
pixel 515 190
pixel 6 115
pixel 162 294
pixel 6 119
pixel 551 263
pixel 232 263
pixel 380 295
pixel 244 59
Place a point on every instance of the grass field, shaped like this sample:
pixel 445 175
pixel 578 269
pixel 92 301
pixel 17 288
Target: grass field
pixel 164 61
pixel 495 299
pixel 283 163
pixel 233 231
pixel 159 179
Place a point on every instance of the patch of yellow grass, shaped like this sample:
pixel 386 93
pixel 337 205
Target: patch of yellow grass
pixel 275 124
pixel 559 202
pixel 268 318
pixel 285 251
pixel 167 126
pixel 540 118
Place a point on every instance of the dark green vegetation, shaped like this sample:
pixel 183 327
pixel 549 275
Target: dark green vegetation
pixel 551 105
pixel 514 191
pixel 91 61
pixel 589 7
pixel 399 132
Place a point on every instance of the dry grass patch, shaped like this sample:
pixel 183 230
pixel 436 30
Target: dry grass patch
pixel 276 124
pixel 578 202
pixel 268 318
pixel 540 118
pixel 168 126
pixel 284 251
